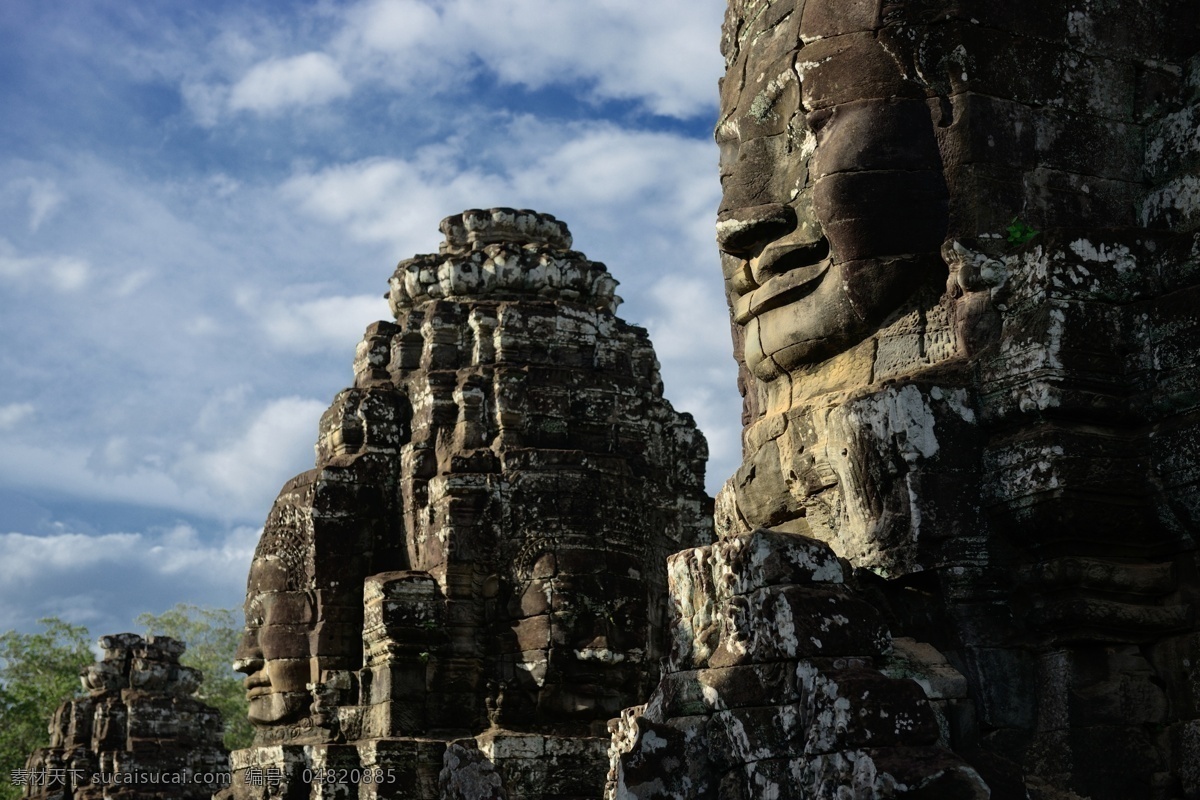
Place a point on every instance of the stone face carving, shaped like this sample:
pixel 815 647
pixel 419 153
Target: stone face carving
pixel 960 249
pixel 818 96
pixel 834 209
pixel 834 202
pixel 473 579
pixel 138 733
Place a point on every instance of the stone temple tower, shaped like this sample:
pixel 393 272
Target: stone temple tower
pixel 139 734
pixel 472 580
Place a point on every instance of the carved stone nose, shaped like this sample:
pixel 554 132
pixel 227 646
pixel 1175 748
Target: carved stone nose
pixel 249 657
pixel 248 665
pixel 744 231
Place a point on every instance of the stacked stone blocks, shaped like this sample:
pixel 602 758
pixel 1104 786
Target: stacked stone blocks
pixel 502 484
pixel 773 689
pixel 139 733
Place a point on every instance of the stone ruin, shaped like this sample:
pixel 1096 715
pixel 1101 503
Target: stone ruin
pixel 472 581
pixel 778 686
pixel 961 247
pixel 138 734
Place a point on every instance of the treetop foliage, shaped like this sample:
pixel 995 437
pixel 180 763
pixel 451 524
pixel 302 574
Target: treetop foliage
pixel 37 672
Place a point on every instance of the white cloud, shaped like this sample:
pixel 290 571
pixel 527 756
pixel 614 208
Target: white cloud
pixel 44 200
pixel 87 474
pixel 390 200
pixel 685 331
pixel 244 472
pixel 201 325
pixel 234 477
pixel 104 581
pixel 64 552
pixel 690 332
pixel 206 101
pixel 341 193
pixel 595 174
pixel 68 274
pixel 114 456
pixel 326 323
pixel 14 413
pixel 306 80
pixel 132 282
pixel 392 26
pixel 662 54
pixel 63 273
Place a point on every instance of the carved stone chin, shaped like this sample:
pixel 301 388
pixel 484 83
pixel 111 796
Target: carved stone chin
pixel 278 708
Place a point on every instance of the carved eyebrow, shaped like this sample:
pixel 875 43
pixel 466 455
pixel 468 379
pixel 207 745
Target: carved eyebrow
pixel 765 101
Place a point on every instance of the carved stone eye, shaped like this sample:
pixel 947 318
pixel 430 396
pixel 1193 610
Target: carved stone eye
pixel 816 120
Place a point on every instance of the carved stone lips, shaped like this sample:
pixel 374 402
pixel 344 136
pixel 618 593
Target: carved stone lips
pixel 257 684
pixel 783 288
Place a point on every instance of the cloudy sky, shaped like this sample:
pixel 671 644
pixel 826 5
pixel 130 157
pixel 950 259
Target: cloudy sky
pixel 201 203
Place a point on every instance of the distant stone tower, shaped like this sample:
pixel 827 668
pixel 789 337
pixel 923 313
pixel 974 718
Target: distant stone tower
pixel 139 734
pixel 472 581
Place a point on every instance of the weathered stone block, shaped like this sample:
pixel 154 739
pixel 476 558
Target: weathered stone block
pixel 704 691
pixel 922 663
pixel 743 735
pixel 791 622
pixel 1001 681
pixel 454 711
pixel 410 768
pixel 392 718
pixel 396 680
pixel 139 718
pixel 829 68
pixel 1177 663
pixel 845 709
pixel 768 558
pixel 469 774
pixel 289 641
pixel 640 749
pixel 829 19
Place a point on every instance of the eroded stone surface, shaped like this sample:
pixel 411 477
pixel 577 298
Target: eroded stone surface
pixel 139 732
pixel 775 692
pixel 473 579
pixel 960 252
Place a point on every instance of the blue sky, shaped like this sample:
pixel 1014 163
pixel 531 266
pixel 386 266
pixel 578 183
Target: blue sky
pixel 200 205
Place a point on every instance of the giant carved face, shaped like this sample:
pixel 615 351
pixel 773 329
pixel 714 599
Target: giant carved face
pixel 275 653
pixel 834 203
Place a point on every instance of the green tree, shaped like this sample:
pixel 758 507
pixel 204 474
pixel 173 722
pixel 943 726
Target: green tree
pixel 37 672
pixel 212 636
